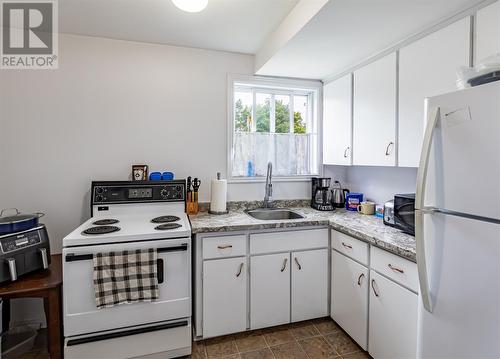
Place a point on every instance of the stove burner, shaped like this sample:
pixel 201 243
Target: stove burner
pixel 101 230
pixel 167 226
pixel 165 219
pixel 105 222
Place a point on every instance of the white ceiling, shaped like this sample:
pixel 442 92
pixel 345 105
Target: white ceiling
pixel 345 32
pixel 228 25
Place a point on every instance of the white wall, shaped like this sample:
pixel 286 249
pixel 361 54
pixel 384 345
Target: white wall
pixel 111 104
pixel 378 184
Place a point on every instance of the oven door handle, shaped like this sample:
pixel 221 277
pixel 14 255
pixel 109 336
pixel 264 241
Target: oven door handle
pixel 71 257
pixel 159 271
pixel 182 247
pixel 125 333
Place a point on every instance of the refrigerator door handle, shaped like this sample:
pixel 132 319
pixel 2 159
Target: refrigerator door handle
pixel 433 116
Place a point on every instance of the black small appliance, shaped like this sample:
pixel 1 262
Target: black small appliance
pixel 321 194
pixel 404 212
pixel 24 252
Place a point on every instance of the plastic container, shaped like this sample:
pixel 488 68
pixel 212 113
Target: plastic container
pixel 167 176
pixel 352 200
pixel 155 176
pixel 487 70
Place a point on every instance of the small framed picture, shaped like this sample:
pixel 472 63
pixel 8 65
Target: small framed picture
pixel 139 172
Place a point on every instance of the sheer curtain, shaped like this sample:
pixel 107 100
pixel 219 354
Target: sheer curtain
pixel 288 152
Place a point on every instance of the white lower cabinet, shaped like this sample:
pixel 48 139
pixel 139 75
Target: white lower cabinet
pixel 349 299
pixel 224 296
pixel 393 319
pixel 309 284
pixel 269 290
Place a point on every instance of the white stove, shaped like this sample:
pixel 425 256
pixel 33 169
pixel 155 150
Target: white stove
pixel 130 216
pixel 136 225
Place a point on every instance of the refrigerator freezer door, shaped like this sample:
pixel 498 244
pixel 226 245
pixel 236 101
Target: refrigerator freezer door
pixel 463 263
pixel 464 160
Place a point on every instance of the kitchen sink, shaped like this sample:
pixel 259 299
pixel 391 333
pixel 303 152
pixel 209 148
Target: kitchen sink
pixel 270 214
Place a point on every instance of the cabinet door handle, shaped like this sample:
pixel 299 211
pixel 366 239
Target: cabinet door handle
pixel 389 146
pixel 240 270
pixel 298 264
pixel 283 267
pixel 225 246
pixel 360 277
pixel 346 245
pixel 373 287
pixel 346 151
pixel 395 269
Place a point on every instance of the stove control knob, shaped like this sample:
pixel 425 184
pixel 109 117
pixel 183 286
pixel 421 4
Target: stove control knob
pixel 164 193
pixel 178 188
pixel 98 198
pixel 99 190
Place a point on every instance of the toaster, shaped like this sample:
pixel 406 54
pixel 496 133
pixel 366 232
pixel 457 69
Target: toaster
pixel 389 213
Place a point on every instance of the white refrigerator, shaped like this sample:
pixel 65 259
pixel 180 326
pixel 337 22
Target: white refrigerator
pixel 457 226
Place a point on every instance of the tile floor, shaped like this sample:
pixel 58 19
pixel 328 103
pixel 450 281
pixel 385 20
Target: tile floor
pixel 314 339
pixel 39 350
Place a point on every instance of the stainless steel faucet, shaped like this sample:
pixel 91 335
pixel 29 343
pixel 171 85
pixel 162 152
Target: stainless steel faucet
pixel 268 197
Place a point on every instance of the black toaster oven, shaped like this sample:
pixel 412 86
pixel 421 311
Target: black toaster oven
pixel 404 212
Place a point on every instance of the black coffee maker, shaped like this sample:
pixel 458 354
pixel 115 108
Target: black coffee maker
pixel 321 194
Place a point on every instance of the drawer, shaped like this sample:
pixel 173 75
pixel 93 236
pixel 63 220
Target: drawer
pixel 351 247
pixel 394 267
pixel 224 246
pixel 288 241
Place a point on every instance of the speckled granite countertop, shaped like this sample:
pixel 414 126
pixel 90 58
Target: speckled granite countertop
pixel 366 228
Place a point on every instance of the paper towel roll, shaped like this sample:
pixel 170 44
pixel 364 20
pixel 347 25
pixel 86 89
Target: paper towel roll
pixel 219 195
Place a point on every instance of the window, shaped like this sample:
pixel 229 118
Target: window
pixel 273 120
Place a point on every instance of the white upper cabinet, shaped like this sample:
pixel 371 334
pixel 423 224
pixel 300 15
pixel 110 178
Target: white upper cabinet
pixel 337 122
pixel 488 31
pixel 427 68
pixel 374 137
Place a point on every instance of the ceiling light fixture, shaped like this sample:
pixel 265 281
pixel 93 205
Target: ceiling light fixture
pixel 191 5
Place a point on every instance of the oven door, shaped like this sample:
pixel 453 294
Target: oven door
pixel 174 275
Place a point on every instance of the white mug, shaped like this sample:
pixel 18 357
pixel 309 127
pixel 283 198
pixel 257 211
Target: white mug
pixel 366 208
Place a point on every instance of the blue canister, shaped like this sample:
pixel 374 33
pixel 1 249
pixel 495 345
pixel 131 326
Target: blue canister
pixel 352 200
pixel 167 176
pixel 155 176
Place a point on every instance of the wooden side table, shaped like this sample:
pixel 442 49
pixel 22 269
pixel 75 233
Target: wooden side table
pixel 47 285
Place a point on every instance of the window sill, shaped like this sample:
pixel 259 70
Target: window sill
pixel 275 179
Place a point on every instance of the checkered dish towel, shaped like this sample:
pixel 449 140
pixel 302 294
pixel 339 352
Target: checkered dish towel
pixel 125 277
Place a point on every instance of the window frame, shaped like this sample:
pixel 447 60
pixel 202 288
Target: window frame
pixel 273 85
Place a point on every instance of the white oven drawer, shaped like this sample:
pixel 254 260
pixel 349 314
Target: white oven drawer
pixel 224 246
pixel 81 315
pixel 167 340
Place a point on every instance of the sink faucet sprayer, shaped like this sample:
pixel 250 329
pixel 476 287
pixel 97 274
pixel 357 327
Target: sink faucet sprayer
pixel 268 197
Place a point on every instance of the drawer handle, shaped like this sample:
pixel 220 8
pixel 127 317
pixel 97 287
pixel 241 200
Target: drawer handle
pixel 285 261
pixel 346 245
pixel 298 264
pixel 373 287
pixel 389 146
pixel 226 246
pixel 395 269
pixel 240 270
pixel 361 276
pixel 345 151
